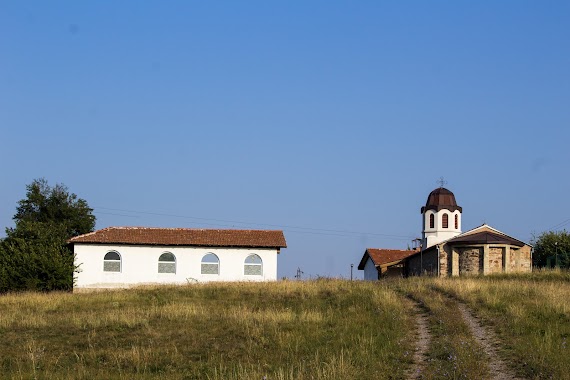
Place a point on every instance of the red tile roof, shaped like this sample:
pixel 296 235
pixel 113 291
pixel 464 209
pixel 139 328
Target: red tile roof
pixel 184 237
pixel 385 256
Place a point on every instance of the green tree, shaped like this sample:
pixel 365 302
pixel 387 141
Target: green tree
pixel 45 204
pixel 35 255
pixel 552 246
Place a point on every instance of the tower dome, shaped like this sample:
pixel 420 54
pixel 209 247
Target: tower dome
pixel 441 217
pixel 440 199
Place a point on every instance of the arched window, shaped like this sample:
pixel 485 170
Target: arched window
pixel 210 264
pixel 456 221
pixel 445 221
pixel 112 262
pixel 431 221
pixel 253 265
pixel 167 263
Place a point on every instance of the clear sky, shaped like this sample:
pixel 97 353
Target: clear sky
pixel 330 120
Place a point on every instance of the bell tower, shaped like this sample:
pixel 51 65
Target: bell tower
pixel 441 217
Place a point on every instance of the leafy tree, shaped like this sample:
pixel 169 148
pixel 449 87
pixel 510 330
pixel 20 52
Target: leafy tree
pixel 549 245
pixel 45 204
pixel 35 255
pixel 30 264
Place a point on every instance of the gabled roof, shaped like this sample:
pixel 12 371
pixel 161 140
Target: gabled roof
pixel 485 234
pixel 384 257
pixel 184 237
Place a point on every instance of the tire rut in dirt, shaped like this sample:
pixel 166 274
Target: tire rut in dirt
pixel 423 339
pixel 487 340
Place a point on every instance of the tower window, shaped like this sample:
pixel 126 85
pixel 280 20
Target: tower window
pixel 431 221
pixel 456 221
pixel 445 221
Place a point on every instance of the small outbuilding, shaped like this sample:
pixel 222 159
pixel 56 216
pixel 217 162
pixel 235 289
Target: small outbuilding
pixel 378 263
pixel 121 257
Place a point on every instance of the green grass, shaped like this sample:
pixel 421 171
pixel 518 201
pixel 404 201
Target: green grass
pixel 283 330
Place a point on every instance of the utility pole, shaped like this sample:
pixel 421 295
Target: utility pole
pixel 299 273
pixel 351 266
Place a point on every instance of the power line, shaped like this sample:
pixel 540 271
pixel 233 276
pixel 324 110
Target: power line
pixel 293 229
pixel 112 213
pixel 407 238
pixel 561 224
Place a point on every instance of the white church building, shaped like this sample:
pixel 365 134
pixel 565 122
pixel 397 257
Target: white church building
pixel 122 257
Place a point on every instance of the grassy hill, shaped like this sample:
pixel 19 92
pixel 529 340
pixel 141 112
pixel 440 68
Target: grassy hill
pixel 324 329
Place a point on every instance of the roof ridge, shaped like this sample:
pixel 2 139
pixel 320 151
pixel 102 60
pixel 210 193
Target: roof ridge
pixel 390 249
pixel 176 229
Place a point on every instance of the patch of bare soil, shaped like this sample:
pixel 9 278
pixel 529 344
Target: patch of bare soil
pixel 422 343
pixel 488 341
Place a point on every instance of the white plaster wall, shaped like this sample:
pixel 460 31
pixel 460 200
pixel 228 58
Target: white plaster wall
pixel 370 271
pixel 435 235
pixel 139 265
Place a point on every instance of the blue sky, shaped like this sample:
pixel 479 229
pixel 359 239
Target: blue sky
pixel 314 117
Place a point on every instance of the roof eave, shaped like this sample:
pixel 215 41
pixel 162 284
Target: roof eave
pixel 363 260
pixel 177 245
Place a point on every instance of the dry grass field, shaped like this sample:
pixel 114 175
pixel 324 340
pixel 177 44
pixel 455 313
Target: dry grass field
pixel 323 329
pixel 530 314
pixel 453 352
pixel 284 330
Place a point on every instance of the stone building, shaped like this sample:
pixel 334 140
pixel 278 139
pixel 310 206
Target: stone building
pixel 446 251
pixel 482 250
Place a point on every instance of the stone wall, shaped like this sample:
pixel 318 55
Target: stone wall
pixel 526 259
pixel 445 260
pixel 512 259
pixel 470 260
pixel 496 259
pixel 520 259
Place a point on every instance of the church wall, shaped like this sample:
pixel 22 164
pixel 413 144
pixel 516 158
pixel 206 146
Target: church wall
pixel 520 259
pixel 426 261
pixel 445 261
pixel 470 260
pixel 526 259
pixel 512 259
pixel 495 259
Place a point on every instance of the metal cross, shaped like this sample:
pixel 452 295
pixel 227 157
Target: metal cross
pixel 441 181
